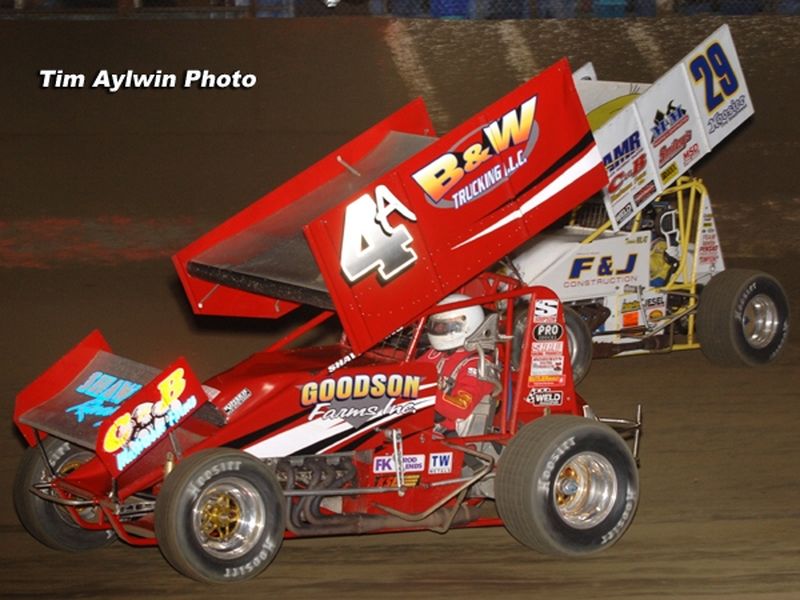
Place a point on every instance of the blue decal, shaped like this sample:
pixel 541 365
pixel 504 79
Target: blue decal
pixel 106 393
pixel 714 68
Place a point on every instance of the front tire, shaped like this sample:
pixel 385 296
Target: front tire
pixel 220 516
pixel 49 522
pixel 567 486
pixel 743 318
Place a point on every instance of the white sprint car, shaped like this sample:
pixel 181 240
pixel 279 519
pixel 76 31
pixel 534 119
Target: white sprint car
pixel 640 265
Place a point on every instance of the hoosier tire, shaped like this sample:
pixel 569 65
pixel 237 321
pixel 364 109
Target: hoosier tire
pixel 220 516
pixel 743 318
pixel 48 522
pixel 567 486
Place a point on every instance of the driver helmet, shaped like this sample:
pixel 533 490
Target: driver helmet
pixel 449 329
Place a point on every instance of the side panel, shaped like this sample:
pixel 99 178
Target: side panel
pixel 333 410
pixel 146 418
pixel 660 132
pixel 453 210
pixel 544 382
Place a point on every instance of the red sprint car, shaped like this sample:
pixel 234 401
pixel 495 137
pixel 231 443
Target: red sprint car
pixel 353 437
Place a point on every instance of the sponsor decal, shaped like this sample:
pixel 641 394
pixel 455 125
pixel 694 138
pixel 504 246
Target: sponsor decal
pixel 623 213
pixel 666 122
pixel 647 190
pixel 547 363
pixel 626 166
pixel 670 173
pixel 440 462
pixel 341 362
pixel 623 152
pixel 360 387
pixel 631 305
pixel 243 396
pixel 105 392
pixel 411 480
pixel 722 118
pixel 669 151
pixel 545 311
pixel 691 155
pixel 630 319
pixel 134 432
pixel 359 398
pixel 587 271
pixel 461 399
pixel 412 463
pixel 545 397
pixel 482 160
pixel 544 332
pixel 709 248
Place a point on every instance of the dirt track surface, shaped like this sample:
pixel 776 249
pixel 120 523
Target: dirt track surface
pixel 98 190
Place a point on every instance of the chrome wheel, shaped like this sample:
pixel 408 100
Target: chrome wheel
pixel 585 490
pixel 229 518
pixel 760 321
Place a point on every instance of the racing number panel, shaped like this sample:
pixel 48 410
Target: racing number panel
pixel 452 210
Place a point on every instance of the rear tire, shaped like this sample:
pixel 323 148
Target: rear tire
pixel 220 516
pixel 579 339
pixel 48 522
pixel 567 486
pixel 743 318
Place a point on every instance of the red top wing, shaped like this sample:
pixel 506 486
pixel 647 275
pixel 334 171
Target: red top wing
pixel 419 232
pixel 259 256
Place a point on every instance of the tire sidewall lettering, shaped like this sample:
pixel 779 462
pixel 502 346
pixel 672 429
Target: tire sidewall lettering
pixel 545 482
pixel 265 555
pixel 199 482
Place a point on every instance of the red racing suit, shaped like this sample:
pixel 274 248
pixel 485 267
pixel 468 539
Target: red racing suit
pixel 461 390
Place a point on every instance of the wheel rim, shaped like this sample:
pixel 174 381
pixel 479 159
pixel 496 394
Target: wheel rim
pixel 229 518
pixel 760 321
pixel 72 462
pixel 585 490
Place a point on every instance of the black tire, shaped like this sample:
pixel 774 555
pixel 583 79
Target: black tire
pixel 579 340
pixel 220 516
pixel 48 522
pixel 545 494
pixel 743 318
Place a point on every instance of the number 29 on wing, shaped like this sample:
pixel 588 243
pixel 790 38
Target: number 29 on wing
pixel 371 243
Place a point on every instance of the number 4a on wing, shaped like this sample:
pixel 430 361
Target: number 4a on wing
pixel 370 243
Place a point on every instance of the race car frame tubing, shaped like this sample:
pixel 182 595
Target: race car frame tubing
pixel 625 426
pixel 695 188
pixel 689 220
